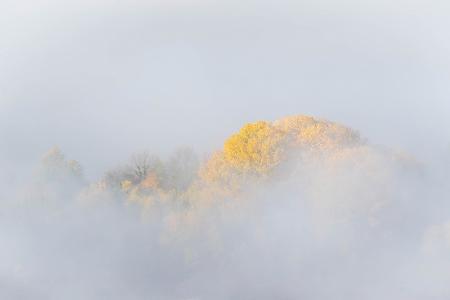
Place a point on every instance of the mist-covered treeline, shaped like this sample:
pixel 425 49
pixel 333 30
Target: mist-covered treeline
pixel 298 208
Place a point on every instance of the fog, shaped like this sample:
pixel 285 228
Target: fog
pixel 104 80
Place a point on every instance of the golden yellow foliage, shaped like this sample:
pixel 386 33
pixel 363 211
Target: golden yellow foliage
pixel 257 147
pixel 294 124
pixel 318 135
pixel 215 168
pixel 332 165
pixel 258 152
pixel 126 185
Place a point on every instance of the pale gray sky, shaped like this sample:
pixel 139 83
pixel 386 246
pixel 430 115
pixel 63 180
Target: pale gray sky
pixel 103 79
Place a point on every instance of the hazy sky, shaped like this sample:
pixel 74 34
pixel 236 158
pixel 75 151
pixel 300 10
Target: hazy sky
pixel 103 79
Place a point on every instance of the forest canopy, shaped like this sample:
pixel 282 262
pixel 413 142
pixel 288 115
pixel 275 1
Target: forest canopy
pixel 283 195
pixel 260 153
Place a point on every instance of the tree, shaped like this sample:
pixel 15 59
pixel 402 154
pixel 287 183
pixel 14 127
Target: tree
pixel 57 179
pixel 142 164
pixel 318 135
pixel 52 163
pixel 139 167
pixel 55 167
pixel 257 147
pixel 181 169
